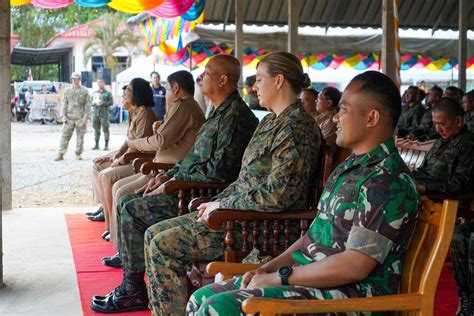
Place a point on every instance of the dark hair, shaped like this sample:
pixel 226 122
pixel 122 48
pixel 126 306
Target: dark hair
pixel 332 94
pixel 459 93
pixel 421 94
pixel 470 95
pixel 250 81
pixel 142 93
pixel 312 91
pixel 384 90
pixel 449 106
pixel 153 73
pixel 289 66
pixel 438 90
pixel 184 79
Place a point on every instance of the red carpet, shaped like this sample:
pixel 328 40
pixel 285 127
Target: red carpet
pixel 94 278
pixel 88 249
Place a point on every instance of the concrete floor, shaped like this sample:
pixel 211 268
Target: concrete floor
pixel 39 270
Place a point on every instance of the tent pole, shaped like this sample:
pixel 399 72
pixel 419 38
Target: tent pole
pixel 390 41
pixel 239 36
pixel 464 8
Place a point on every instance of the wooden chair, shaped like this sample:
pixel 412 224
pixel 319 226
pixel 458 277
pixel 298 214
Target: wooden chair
pixel 423 263
pixel 413 152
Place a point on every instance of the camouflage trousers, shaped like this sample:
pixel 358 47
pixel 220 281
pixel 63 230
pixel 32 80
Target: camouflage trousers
pixel 68 130
pixel 226 298
pixel 462 257
pixel 134 215
pixel 170 248
pixel 100 117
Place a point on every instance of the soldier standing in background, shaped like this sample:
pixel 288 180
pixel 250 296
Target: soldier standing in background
pixel 159 94
pixel 101 102
pixel 75 108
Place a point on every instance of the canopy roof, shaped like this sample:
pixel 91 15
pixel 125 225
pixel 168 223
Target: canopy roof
pixel 434 14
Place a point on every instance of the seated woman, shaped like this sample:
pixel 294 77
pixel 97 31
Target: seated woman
pixel 140 97
pixel 171 140
pixel 326 105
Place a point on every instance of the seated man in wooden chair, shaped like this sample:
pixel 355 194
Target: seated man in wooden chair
pixel 367 214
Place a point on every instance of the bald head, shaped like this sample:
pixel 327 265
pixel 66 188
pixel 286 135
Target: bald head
pixel 227 65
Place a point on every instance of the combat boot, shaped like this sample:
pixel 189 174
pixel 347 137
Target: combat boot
pixel 106 147
pixel 96 146
pixel 466 305
pixel 129 296
pixel 59 157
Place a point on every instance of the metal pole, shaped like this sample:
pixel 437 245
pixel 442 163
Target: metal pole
pixel 293 23
pixel 464 8
pixel 390 42
pixel 239 36
pixel 5 117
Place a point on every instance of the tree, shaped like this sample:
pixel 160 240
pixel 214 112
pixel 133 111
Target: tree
pixel 110 37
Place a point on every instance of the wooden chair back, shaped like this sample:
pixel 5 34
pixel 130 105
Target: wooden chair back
pixel 413 152
pixel 421 270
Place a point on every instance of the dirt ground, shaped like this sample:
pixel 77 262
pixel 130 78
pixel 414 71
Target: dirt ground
pixel 39 181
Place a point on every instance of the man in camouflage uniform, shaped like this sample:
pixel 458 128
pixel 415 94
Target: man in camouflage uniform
pixel 275 176
pixel 215 157
pixel 75 107
pixel 101 102
pixel 367 214
pixel 449 165
pixel 411 114
pixel 468 105
pixel 426 130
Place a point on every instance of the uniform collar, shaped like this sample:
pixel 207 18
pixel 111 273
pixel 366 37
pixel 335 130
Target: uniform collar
pixel 377 154
pixel 456 139
pixel 273 120
pixel 225 104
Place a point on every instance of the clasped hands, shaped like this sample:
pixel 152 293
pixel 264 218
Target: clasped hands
pixel 154 185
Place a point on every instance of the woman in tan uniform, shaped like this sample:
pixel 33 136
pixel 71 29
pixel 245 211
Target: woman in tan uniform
pixel 172 139
pixel 140 96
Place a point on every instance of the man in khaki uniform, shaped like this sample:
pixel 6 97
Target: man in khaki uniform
pixel 75 107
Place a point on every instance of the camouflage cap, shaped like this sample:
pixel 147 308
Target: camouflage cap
pixel 76 75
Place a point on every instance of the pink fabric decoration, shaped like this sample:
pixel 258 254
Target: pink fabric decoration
pixel 51 4
pixel 171 8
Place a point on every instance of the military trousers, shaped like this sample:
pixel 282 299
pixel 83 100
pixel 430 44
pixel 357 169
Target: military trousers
pixel 226 298
pixel 100 118
pixel 68 130
pixel 462 257
pixel 134 215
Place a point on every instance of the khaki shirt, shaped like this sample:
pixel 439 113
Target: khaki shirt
pixel 328 128
pixel 76 103
pixel 177 134
pixel 139 126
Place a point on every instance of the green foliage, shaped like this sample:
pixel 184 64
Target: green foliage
pixel 37 26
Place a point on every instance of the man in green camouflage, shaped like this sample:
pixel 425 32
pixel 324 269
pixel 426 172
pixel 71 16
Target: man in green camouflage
pixel 101 102
pixel 449 165
pixel 411 114
pixel 215 157
pixel 367 214
pixel 75 107
pixel 426 129
pixel 468 105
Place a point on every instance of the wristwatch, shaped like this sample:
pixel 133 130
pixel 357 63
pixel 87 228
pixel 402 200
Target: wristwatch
pixel 284 273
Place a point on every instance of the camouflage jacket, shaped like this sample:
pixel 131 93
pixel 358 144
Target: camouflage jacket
pixel 449 165
pixel 410 118
pixel 426 129
pixel 217 153
pixel 369 204
pixel 76 103
pixel 469 121
pixel 101 101
pixel 277 165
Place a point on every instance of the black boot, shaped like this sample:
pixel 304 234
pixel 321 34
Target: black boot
pixel 466 303
pixel 113 261
pixel 129 296
pixel 106 147
pixel 99 210
pixel 96 145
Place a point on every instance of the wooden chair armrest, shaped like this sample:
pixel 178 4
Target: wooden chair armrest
pixel 174 185
pixel 230 268
pixel 219 216
pixel 138 162
pixel 129 157
pixel 192 206
pixel 398 302
pixel 150 166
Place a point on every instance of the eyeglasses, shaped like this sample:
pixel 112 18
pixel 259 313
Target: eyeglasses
pixel 322 98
